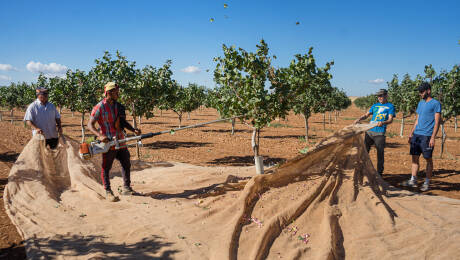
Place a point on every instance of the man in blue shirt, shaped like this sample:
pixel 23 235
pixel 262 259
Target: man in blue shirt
pixel 382 114
pixel 422 137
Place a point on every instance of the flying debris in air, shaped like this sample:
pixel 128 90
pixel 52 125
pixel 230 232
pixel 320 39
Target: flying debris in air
pixel 297 23
pixel 207 70
pixel 211 20
pixel 225 5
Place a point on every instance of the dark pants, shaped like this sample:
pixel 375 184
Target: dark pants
pixel 52 142
pixel 121 155
pixel 379 141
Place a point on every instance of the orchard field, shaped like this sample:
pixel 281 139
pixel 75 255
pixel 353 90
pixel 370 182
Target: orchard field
pixel 213 145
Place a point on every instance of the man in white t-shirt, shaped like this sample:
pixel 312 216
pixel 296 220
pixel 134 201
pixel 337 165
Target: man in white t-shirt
pixel 43 118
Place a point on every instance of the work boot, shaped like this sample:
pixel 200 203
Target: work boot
pixel 110 197
pixel 127 191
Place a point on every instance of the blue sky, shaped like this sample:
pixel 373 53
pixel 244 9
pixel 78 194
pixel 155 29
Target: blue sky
pixel 368 40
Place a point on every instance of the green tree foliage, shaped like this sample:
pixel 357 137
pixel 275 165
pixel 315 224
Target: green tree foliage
pixel 184 100
pixel 16 95
pixel 310 87
pixel 241 78
pixel 404 96
pixel 366 102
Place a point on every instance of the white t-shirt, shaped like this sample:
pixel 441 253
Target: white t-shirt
pixel 44 117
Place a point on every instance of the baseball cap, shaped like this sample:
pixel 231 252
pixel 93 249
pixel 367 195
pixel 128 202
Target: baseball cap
pixel 424 86
pixel 109 86
pixel 382 92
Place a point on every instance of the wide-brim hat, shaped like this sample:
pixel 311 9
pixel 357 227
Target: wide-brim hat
pixel 41 91
pixel 381 92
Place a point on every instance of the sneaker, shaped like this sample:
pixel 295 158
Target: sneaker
pixel 425 187
pixel 110 197
pixel 127 191
pixel 410 183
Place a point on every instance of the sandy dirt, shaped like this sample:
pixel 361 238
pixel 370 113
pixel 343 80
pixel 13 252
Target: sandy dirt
pixel 214 146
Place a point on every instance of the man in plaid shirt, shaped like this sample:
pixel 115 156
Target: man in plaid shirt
pixel 111 117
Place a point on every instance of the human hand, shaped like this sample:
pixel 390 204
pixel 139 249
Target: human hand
pixel 103 138
pixel 379 123
pixel 410 137
pixel 356 121
pixel 137 131
pixel 38 131
pixel 59 130
pixel 431 142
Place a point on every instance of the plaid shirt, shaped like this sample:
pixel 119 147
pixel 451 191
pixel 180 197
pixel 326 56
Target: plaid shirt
pixel 106 114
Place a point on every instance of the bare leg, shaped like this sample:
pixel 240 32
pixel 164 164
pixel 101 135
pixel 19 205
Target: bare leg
pixel 429 167
pixel 416 165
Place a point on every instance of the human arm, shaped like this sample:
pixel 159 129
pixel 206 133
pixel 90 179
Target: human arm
pixel 128 126
pixel 91 126
pixel 362 117
pixel 413 128
pixel 33 126
pixel 437 122
pixel 58 125
pixel 386 122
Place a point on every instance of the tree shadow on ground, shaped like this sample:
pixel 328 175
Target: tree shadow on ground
pixel 393 145
pixel 231 184
pixel 173 145
pixel 435 183
pixel 81 246
pixel 13 252
pixel 245 160
pixel 225 131
pixel 288 136
pixel 153 123
pixel 9 157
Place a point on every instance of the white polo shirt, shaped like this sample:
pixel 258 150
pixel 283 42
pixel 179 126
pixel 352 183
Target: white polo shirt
pixel 44 117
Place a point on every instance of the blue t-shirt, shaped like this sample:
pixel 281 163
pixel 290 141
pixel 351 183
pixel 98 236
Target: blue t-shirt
pixel 380 112
pixel 426 112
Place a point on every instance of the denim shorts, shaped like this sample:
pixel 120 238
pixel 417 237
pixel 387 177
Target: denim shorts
pixel 420 144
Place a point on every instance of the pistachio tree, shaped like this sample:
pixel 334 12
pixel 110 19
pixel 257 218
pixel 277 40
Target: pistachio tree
pixel 310 86
pixel 404 96
pixel 242 77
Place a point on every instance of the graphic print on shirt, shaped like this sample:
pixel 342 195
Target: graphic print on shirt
pixel 381 114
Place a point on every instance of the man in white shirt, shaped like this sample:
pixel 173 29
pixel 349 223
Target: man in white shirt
pixel 43 118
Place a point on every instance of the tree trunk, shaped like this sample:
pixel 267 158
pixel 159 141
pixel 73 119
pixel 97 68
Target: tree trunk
pixel 82 124
pixel 336 114
pixel 180 120
pixel 188 115
pixel 12 115
pixel 306 127
pixel 330 117
pixel 140 121
pixel 73 113
pixel 455 123
pixel 161 112
pixel 1 116
pixel 60 109
pixel 401 133
pixel 233 126
pixel 258 160
pixel 443 139
pixel 324 121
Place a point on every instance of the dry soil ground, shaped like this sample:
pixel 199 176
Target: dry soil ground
pixel 214 145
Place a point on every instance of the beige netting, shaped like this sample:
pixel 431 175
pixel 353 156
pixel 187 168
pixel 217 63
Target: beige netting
pixel 327 204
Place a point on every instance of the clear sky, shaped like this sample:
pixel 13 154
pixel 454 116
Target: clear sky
pixel 369 41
